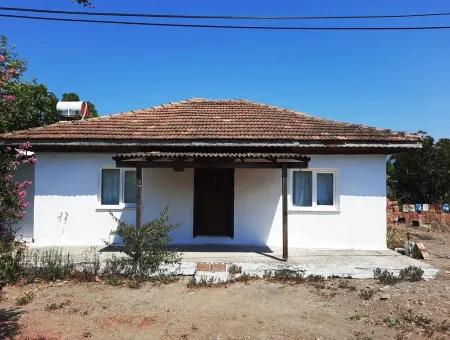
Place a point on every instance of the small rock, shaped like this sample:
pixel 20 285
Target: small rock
pixel 384 289
pixel 385 296
pixel 87 334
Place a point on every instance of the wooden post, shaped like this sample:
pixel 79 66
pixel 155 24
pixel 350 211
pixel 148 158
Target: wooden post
pixel 138 197
pixel 285 212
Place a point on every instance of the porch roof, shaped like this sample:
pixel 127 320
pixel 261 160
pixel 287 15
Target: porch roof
pixel 200 159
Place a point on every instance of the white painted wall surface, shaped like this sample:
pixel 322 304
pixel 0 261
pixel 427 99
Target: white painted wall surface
pixel 66 200
pixel 68 183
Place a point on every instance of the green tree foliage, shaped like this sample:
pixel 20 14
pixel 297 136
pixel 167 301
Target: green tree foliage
pixel 70 97
pixel 73 97
pixel 22 104
pixel 33 106
pixel 25 104
pixel 421 176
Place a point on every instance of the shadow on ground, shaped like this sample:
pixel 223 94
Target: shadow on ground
pixel 9 322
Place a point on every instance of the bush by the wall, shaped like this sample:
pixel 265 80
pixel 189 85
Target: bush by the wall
pixel 147 246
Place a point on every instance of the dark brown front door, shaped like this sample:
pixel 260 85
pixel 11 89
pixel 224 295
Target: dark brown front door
pixel 213 202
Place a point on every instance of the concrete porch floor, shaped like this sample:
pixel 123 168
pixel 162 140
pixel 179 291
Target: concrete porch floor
pixel 255 260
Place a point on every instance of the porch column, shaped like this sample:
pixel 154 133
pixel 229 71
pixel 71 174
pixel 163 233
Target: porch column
pixel 138 197
pixel 285 212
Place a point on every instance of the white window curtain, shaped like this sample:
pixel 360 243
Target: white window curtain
pixel 302 188
pixel 324 189
pixel 129 189
pixel 110 186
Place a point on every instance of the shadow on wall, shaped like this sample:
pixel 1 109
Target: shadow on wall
pixel 26 173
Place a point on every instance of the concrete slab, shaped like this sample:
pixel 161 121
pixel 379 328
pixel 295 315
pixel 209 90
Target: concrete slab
pixel 256 260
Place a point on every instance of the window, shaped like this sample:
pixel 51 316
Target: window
pixel 129 187
pixel 117 186
pixel 314 189
pixel 302 191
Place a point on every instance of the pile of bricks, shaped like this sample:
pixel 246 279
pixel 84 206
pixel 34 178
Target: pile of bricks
pixel 433 216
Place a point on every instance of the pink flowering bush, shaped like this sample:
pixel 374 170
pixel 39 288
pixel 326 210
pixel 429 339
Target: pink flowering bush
pixel 13 205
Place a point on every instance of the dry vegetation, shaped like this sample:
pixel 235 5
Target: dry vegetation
pixel 281 306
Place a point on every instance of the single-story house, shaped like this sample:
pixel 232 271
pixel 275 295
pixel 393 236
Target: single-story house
pixel 233 172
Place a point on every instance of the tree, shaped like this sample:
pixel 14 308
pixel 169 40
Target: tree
pixel 73 97
pixel 33 106
pixel 421 176
pixel 70 97
pixel 23 104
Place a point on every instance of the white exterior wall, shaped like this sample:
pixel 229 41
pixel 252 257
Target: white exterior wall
pixel 68 183
pixel 66 202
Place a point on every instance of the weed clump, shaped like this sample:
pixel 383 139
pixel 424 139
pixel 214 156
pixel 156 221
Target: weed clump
pixel 55 306
pixel 202 283
pixel 234 269
pixel 48 265
pixel 25 298
pixel 410 273
pixel 284 275
pixel 366 294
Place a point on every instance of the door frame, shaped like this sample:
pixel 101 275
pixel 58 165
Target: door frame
pixel 230 217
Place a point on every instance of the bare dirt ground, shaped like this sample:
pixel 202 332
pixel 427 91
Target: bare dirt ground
pixel 253 310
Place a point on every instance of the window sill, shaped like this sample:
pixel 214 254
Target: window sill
pixel 314 209
pixel 119 207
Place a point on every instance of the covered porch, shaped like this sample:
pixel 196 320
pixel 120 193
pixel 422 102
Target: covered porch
pixel 214 185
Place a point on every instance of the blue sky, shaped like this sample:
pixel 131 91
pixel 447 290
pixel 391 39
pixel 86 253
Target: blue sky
pixel 398 80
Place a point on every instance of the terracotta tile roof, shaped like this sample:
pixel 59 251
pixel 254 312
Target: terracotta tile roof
pixel 203 119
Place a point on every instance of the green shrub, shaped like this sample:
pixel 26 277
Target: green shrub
pixel 146 246
pixel 385 276
pixel 411 273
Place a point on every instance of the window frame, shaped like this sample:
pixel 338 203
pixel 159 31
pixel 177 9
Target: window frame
pixel 315 207
pixel 122 204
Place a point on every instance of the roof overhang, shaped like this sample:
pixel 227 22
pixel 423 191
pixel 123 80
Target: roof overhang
pixel 305 147
pixel 205 159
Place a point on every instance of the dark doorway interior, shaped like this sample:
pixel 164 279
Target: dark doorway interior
pixel 214 202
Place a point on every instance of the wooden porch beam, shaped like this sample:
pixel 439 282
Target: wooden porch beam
pixel 285 211
pixel 138 197
pixel 216 165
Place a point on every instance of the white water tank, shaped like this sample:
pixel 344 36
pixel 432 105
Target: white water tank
pixel 73 110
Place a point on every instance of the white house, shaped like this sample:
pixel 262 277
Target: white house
pixel 231 171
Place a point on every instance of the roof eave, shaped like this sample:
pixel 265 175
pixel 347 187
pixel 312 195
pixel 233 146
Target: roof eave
pixel 307 146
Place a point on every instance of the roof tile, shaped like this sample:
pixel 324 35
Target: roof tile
pixel 203 119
